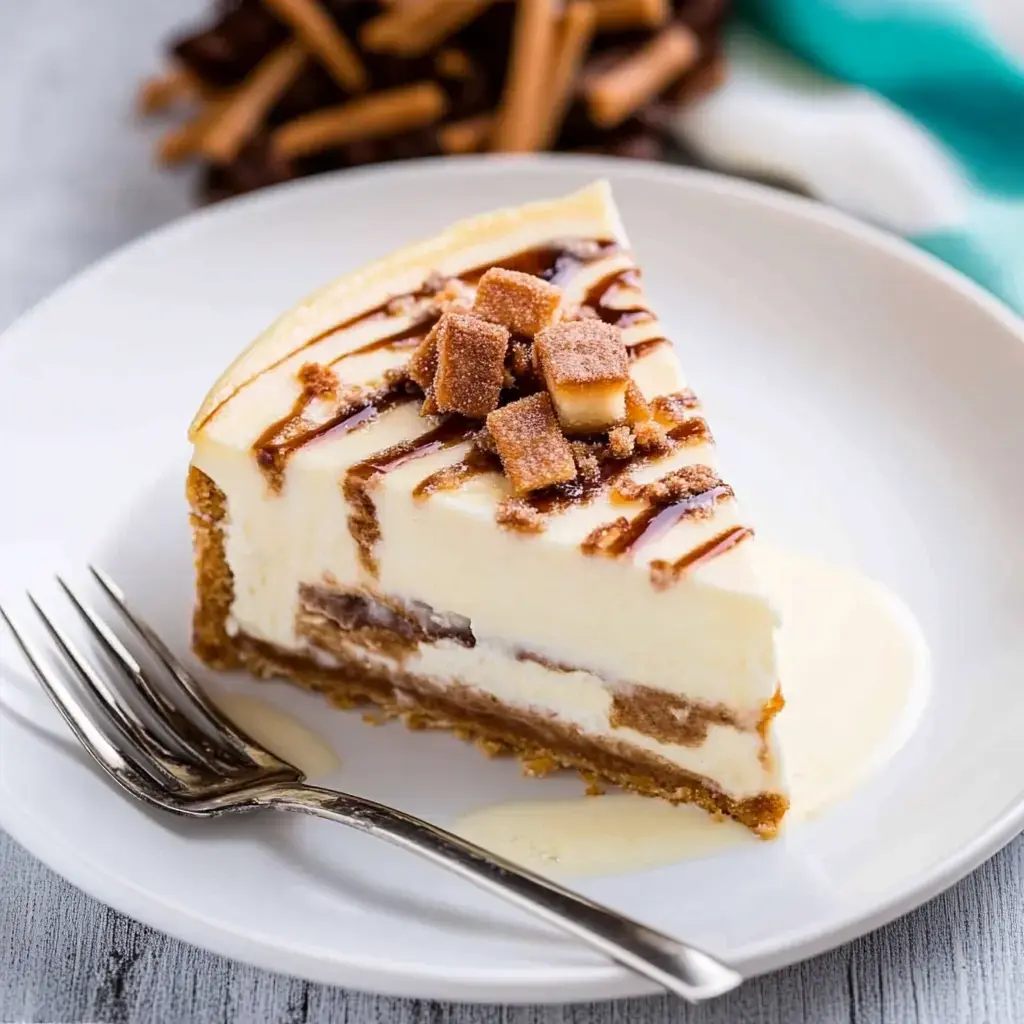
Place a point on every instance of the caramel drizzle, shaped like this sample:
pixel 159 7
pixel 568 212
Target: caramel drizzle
pixel 449 432
pixel 650 524
pixel 581 491
pixel 290 433
pixel 642 348
pixel 560 497
pixel 595 301
pixel 673 408
pixel 451 478
pixel 362 521
pixel 691 431
pixel 664 574
pixel 408 338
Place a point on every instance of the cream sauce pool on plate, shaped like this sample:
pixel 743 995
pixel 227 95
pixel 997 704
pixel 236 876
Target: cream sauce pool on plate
pixel 854 670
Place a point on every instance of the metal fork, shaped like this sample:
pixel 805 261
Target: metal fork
pixel 184 755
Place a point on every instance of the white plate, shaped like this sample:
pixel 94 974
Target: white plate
pixel 868 404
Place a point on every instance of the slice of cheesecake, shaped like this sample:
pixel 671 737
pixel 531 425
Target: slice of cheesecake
pixel 469 483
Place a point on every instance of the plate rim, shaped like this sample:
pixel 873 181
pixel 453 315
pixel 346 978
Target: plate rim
pixel 538 983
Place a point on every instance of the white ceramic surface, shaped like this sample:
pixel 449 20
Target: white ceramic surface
pixel 867 403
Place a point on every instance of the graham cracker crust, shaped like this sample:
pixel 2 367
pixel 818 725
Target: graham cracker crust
pixel 539 741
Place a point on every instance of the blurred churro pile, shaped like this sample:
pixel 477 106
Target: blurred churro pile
pixel 275 89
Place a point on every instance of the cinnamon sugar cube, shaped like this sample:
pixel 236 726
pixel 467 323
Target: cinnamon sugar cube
pixel 586 370
pixel 532 450
pixel 470 364
pixel 521 302
pixel 422 366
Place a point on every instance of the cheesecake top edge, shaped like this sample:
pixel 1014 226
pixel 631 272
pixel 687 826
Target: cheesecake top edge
pixel 589 212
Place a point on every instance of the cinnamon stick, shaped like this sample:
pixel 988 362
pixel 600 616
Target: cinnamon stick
pixel 615 94
pixel 369 117
pixel 184 140
pixel 161 92
pixel 575 32
pixel 467 136
pixel 410 29
pixel 239 119
pixel 316 30
pixel 619 15
pixel 522 111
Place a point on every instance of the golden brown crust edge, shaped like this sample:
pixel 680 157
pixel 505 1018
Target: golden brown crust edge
pixel 534 738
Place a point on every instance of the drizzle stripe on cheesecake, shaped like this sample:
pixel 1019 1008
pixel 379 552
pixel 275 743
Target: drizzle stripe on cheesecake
pixel 673 415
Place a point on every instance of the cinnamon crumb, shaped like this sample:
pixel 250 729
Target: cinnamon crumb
pixel 595 785
pixel 604 536
pixel 651 437
pixel 674 408
pixel 627 489
pixel 420 721
pixel 683 483
pixel 587 460
pixel 485 442
pixel 343 701
pixel 317 380
pixel 539 766
pixel 520 359
pixel 516 514
pixel 490 748
pixel 637 409
pixel 620 442
pixel 521 302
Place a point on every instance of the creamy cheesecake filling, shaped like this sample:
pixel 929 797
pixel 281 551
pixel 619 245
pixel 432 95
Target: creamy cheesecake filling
pixel 594 611
pixel 621 606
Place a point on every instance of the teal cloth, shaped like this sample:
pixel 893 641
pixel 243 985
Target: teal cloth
pixel 937 61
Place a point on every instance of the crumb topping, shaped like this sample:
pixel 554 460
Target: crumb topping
pixel 521 302
pixel 470 364
pixel 516 514
pixel 674 408
pixel 682 483
pixel 651 437
pixel 620 442
pixel 422 365
pixel 317 380
pixel 637 409
pixel 520 360
pixel 532 449
pixel 588 461
pixel 581 352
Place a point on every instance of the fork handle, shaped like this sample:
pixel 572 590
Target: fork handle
pixel 677 967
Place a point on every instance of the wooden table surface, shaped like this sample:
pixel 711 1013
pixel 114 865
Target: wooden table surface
pixel 77 180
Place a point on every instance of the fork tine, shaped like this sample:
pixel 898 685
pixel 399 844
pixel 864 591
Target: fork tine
pixel 120 765
pixel 161 763
pixel 188 739
pixel 209 713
